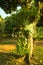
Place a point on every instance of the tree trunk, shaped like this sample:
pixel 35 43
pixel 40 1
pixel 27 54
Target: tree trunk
pixel 31 47
pixel 29 43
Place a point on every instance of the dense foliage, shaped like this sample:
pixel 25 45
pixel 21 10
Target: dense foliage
pixel 40 22
pixel 6 4
pixel 19 20
pixel 2 25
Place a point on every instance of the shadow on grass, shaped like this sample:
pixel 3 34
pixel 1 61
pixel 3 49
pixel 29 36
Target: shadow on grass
pixel 9 59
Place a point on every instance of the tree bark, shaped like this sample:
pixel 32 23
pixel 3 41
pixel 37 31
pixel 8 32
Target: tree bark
pixel 31 47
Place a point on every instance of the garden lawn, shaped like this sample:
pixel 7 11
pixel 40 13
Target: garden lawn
pixel 9 57
pixel 37 58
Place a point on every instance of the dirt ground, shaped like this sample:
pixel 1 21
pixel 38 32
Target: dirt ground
pixel 7 47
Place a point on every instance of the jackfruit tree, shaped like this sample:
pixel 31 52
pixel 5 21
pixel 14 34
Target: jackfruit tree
pixel 25 20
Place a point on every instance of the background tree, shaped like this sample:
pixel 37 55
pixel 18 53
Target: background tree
pixel 8 25
pixel 2 24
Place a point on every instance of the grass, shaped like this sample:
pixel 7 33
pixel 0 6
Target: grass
pixel 38 38
pixel 3 43
pixel 10 58
pixel 38 55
